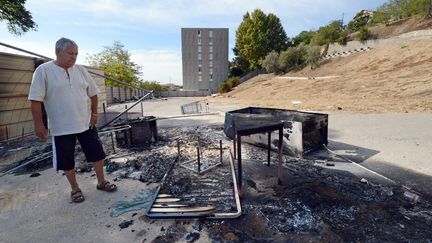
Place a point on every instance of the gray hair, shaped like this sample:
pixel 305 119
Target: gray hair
pixel 64 43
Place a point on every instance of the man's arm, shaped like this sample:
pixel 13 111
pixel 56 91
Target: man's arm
pixel 94 111
pixel 36 108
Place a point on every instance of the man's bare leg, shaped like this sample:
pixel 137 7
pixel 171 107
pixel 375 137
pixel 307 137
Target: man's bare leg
pixel 98 165
pixel 102 184
pixel 70 175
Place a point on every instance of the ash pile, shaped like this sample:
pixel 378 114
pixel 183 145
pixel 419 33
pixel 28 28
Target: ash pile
pixel 316 204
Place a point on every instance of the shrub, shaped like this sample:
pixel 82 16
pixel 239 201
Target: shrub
pixel 270 62
pixel 363 34
pixel 233 82
pixel 227 85
pixel 292 58
pixel 224 87
pixel 343 38
pixel 313 56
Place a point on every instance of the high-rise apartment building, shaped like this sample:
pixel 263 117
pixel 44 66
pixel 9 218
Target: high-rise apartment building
pixel 204 58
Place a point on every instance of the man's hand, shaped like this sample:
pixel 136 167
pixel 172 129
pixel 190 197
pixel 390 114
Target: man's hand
pixel 41 132
pixel 93 119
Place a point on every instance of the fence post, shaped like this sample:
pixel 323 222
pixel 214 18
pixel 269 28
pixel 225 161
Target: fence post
pixel 104 112
pixel 112 94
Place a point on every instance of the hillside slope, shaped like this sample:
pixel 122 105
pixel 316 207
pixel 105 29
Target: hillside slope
pixel 383 31
pixel 390 78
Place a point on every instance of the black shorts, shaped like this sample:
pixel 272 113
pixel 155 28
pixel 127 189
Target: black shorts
pixel 64 148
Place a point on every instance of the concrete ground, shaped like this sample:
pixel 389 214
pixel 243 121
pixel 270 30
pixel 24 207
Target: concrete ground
pixel 394 145
pixel 38 209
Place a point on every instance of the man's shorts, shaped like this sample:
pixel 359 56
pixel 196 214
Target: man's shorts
pixel 64 148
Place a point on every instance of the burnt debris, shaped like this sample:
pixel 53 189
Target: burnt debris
pixel 313 203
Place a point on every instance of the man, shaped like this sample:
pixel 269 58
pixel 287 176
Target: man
pixel 65 88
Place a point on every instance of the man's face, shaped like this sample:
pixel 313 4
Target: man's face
pixel 67 58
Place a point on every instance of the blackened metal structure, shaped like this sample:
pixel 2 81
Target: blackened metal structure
pixel 302 131
pixel 203 214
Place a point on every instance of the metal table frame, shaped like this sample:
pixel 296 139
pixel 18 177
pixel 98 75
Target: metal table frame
pixel 253 130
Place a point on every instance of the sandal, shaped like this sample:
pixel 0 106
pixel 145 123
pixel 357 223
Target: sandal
pixel 107 186
pixel 77 196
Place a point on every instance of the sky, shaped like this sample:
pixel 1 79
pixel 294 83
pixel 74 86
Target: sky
pixel 151 29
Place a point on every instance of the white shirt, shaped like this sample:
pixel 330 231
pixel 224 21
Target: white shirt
pixel 66 97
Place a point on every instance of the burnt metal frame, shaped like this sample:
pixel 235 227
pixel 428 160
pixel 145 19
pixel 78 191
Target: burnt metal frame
pixel 210 215
pixel 125 111
pixel 199 159
pixel 261 129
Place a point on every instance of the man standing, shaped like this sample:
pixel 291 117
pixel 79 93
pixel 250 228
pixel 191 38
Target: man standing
pixel 65 88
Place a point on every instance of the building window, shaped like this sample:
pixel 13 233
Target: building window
pixel 199 78
pixel 210 63
pixel 199 63
pixel 211 71
pixel 199 41
pixel 210 48
pixel 211 77
pixel 199 33
pixel 199 48
pixel 199 56
pixel 211 56
pixel 199 70
pixel 211 33
pixel 210 41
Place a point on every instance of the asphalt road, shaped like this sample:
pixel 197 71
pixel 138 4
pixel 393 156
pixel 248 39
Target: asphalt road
pixel 395 145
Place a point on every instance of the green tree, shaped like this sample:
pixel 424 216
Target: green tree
pixel 328 34
pixel 257 35
pixel 19 19
pixel 116 63
pixel 399 9
pixel 304 37
pixel 423 7
pixel 235 67
pixel 396 9
pixel 151 85
pixel 380 16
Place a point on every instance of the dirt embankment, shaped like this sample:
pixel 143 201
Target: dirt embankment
pixel 399 27
pixel 390 78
